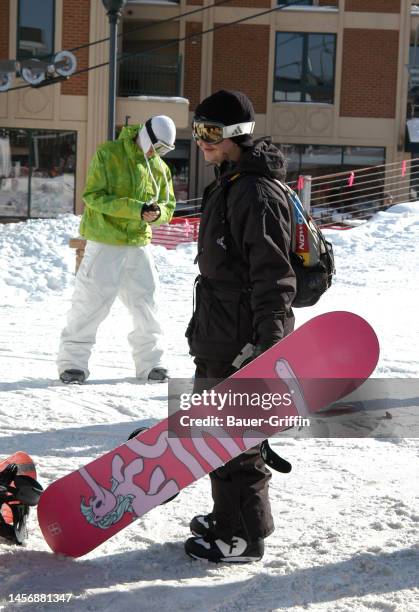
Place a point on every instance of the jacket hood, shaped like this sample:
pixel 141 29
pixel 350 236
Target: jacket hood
pixel 263 158
pixel 129 132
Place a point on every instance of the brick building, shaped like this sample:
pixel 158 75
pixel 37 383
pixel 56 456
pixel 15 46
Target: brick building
pixel 329 80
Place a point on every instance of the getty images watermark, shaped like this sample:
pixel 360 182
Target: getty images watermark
pixel 377 408
pixel 239 402
pixel 251 407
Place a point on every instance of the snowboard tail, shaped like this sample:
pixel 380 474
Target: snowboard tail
pixel 85 508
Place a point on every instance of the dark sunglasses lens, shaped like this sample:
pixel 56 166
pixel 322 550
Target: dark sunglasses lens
pixel 207 132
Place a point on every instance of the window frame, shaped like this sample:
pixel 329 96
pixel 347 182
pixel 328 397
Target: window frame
pixel 53 29
pixel 305 88
pixel 185 142
pixel 314 4
pixel 343 150
pixel 30 138
pixel 285 3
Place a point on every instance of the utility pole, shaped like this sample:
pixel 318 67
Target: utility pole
pixel 114 11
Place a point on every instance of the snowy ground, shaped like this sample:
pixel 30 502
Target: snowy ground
pixel 347 517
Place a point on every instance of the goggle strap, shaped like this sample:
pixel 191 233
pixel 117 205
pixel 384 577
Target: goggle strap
pixel 150 131
pixel 238 129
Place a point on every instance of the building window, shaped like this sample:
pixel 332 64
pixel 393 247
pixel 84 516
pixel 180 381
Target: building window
pixel 333 196
pixel 315 3
pixel 14 173
pixel 304 67
pixel 37 173
pixel 35 29
pixel 150 75
pixel 413 86
pixel 295 2
pixel 179 162
pixel 319 160
pixel 146 69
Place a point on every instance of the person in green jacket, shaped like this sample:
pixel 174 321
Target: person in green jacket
pixel 128 189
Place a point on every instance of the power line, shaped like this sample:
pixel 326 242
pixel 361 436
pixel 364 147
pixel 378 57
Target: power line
pixel 150 25
pixel 123 57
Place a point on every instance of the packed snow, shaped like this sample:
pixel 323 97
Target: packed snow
pixel 347 516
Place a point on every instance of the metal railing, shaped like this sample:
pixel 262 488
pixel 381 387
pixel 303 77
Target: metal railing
pixel 150 75
pixel 353 194
pixel 361 192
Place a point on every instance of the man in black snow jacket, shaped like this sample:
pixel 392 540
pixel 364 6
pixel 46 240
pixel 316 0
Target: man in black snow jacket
pixel 243 295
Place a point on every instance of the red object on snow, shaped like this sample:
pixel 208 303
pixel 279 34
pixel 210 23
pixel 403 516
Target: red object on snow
pixel 180 230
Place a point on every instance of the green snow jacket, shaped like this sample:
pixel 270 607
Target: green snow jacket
pixel 117 186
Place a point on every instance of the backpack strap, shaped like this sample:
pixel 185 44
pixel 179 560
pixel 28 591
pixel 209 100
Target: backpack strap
pixel 292 198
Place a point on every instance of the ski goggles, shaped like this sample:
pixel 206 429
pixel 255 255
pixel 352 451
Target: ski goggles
pixel 215 132
pixel 159 146
pixel 162 148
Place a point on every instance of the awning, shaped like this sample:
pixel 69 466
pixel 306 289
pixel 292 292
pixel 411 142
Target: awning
pixel 412 135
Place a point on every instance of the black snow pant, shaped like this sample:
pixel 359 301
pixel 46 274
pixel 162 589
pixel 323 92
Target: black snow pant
pixel 240 487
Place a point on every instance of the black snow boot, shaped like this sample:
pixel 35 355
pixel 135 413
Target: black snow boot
pixel 215 550
pixel 158 375
pixel 77 377
pixel 201 524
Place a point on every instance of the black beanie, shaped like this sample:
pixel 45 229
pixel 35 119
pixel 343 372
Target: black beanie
pixel 228 107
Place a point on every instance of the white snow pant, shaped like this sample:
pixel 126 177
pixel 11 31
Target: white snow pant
pixel 108 271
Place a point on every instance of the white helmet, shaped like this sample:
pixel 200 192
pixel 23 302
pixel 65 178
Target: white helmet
pixel 158 132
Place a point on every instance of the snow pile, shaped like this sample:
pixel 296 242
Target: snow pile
pixel 347 516
pixel 384 244
pixel 35 257
pixel 377 267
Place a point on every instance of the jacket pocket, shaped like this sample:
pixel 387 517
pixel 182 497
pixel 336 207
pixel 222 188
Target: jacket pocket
pixel 221 323
pixel 90 257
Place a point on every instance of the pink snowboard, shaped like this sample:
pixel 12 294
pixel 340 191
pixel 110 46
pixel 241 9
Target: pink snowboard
pixel 85 508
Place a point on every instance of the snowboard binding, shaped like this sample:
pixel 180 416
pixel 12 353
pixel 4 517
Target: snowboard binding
pixel 17 494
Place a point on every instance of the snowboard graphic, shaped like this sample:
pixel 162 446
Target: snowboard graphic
pixel 85 508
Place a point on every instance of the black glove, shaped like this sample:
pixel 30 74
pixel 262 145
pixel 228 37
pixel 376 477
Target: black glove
pixel 150 208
